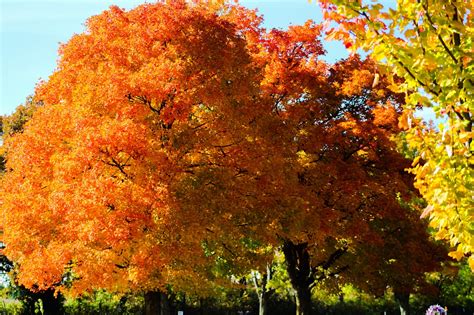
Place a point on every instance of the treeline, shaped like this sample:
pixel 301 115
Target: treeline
pixel 451 289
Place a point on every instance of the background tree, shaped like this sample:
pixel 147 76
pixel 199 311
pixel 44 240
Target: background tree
pixel 428 43
pixel 455 285
pixel 51 303
pixel 328 174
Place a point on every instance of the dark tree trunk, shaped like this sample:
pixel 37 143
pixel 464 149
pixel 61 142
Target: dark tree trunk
pixel 298 265
pixel 28 305
pixel 303 300
pixel 165 304
pixel 201 306
pixel 52 305
pixel 157 303
pixel 153 303
pixel 403 300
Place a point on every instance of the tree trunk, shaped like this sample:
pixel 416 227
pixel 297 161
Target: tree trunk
pixel 157 303
pixel 201 306
pixel 303 300
pixel 262 307
pixel 264 293
pixel 262 304
pixel 298 265
pixel 153 303
pixel 52 305
pixel 165 304
pixel 403 300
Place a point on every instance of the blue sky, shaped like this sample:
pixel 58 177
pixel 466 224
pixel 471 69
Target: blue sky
pixel 31 31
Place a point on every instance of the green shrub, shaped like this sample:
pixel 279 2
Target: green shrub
pixel 101 302
pixel 10 307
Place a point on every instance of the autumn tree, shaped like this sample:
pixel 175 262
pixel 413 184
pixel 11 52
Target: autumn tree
pixel 401 264
pixel 350 178
pixel 429 44
pixel 125 116
pixel 327 174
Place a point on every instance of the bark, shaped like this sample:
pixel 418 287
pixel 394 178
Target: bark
pixel 263 292
pixel 152 303
pixel 157 303
pixel 403 300
pixel 304 276
pixel 165 304
pixel 52 305
pixel 299 269
pixel 262 304
pixel 303 300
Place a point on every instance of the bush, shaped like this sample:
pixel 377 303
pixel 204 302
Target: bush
pixel 101 302
pixel 10 307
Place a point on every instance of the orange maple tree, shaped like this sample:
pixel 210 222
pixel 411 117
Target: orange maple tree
pixel 133 98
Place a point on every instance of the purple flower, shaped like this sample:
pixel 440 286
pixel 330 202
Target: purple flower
pixel 436 310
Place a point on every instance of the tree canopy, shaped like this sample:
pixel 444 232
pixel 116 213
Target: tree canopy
pixel 428 44
pixel 174 135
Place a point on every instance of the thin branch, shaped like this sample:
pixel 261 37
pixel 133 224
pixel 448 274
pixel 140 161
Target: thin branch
pixel 228 249
pixel 334 257
pixel 425 6
pixel 119 166
pixel 410 73
pixel 418 33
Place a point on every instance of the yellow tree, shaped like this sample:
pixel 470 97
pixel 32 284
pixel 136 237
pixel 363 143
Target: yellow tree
pixel 429 44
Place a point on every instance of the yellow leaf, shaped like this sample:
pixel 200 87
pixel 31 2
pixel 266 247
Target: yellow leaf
pixel 376 80
pixel 403 122
pixel 415 161
pixel 449 150
pixel 465 136
pixel 426 211
pixel 471 262
pixel 457 255
pixel 441 234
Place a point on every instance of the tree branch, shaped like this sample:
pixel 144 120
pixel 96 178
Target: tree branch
pixel 450 53
pixel 410 73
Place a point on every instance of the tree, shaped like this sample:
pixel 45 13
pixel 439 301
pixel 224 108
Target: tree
pixel 328 175
pixel 402 263
pixel 352 176
pixel 261 282
pixel 428 43
pixel 124 118
pixel 455 285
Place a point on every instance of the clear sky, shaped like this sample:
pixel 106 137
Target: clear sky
pixel 31 31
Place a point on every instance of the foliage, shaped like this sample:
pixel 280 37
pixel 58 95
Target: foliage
pixel 280 281
pixel 178 143
pixel 10 125
pixel 101 302
pixel 95 164
pixel 15 123
pixel 455 284
pixel 429 44
pixel 10 307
